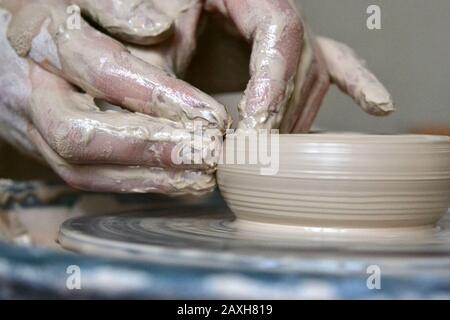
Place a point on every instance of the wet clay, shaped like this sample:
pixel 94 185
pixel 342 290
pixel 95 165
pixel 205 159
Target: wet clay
pixel 344 181
pixel 269 26
pixel 289 68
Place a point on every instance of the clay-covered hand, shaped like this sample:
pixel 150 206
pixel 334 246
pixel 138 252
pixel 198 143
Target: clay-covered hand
pixel 54 64
pixel 291 71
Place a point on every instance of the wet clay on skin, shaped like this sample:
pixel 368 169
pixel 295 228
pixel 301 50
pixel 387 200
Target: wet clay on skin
pixel 270 26
pixel 81 133
pixel 150 90
pixel 289 68
pixel 107 70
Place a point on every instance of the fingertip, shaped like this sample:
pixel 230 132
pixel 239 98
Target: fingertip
pixel 388 108
pixel 378 109
pixel 375 99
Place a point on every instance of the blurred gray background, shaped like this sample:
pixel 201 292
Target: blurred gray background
pixel 410 55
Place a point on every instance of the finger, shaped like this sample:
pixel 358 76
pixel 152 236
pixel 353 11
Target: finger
pixel 304 83
pixel 124 180
pixel 312 106
pixel 276 30
pixel 313 98
pixel 135 21
pixel 79 132
pixel 105 69
pixel 350 74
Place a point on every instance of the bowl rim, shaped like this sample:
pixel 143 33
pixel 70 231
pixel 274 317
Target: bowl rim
pixel 358 138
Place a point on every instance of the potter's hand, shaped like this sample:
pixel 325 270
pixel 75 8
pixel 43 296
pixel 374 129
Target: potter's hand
pixel 290 72
pixel 41 58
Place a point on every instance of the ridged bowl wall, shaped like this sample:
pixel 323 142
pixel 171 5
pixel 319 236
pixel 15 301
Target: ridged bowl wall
pixel 344 181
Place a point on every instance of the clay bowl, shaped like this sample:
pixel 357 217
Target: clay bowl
pixel 343 181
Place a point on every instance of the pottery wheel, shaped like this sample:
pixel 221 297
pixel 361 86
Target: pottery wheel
pixel 209 236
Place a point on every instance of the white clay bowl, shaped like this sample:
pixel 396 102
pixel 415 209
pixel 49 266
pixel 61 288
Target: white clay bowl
pixel 344 181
